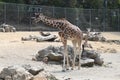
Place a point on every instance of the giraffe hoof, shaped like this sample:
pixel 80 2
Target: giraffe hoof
pixel 67 69
pixel 72 69
pixel 63 70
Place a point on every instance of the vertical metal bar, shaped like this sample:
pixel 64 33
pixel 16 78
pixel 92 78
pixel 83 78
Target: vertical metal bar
pixel 118 20
pixel 53 14
pixel 77 18
pixel 4 12
pixel 18 13
pixel 65 13
pixel 90 18
pixel 105 14
pixel 30 21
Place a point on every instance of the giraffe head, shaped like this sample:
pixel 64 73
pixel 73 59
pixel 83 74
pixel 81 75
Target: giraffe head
pixel 38 17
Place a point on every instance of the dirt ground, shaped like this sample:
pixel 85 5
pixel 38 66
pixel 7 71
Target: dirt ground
pixel 13 51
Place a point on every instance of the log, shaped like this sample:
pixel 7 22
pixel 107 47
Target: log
pixel 46 38
pixel 44 34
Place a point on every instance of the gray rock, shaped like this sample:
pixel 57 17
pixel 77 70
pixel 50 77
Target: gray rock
pixel 95 36
pixel 2 30
pixel 98 61
pixel 87 62
pixel 15 73
pixel 8 28
pixel 54 57
pixel 55 54
pixel 34 70
pixel 92 54
pixel 44 76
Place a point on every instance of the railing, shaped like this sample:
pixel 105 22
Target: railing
pixel 19 15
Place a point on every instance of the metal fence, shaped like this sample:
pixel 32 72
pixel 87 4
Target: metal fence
pixel 19 15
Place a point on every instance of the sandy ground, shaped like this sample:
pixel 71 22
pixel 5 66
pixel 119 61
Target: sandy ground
pixel 13 51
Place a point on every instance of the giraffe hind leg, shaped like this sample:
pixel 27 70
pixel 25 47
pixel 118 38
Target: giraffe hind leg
pixel 79 54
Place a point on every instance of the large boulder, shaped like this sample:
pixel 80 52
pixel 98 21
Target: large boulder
pixel 25 72
pixel 8 28
pixel 15 73
pixel 92 54
pixel 52 53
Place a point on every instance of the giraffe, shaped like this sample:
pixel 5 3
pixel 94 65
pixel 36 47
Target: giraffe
pixel 67 31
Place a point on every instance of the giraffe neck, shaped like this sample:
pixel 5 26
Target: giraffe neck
pixel 55 23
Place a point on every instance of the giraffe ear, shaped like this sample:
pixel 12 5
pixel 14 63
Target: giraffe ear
pixel 36 14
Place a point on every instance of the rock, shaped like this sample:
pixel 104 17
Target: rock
pixel 15 73
pixel 8 28
pixel 54 57
pixel 92 54
pixel 53 53
pixel 2 30
pixel 34 70
pixel 87 62
pixel 95 36
pixel 41 54
pixel 44 76
pixel 98 61
pixel 38 78
pixel 25 73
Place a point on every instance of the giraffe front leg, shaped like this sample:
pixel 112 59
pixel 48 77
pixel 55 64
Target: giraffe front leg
pixel 65 54
pixel 66 59
pixel 74 57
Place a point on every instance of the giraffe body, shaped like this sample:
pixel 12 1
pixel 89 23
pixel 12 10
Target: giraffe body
pixel 68 31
